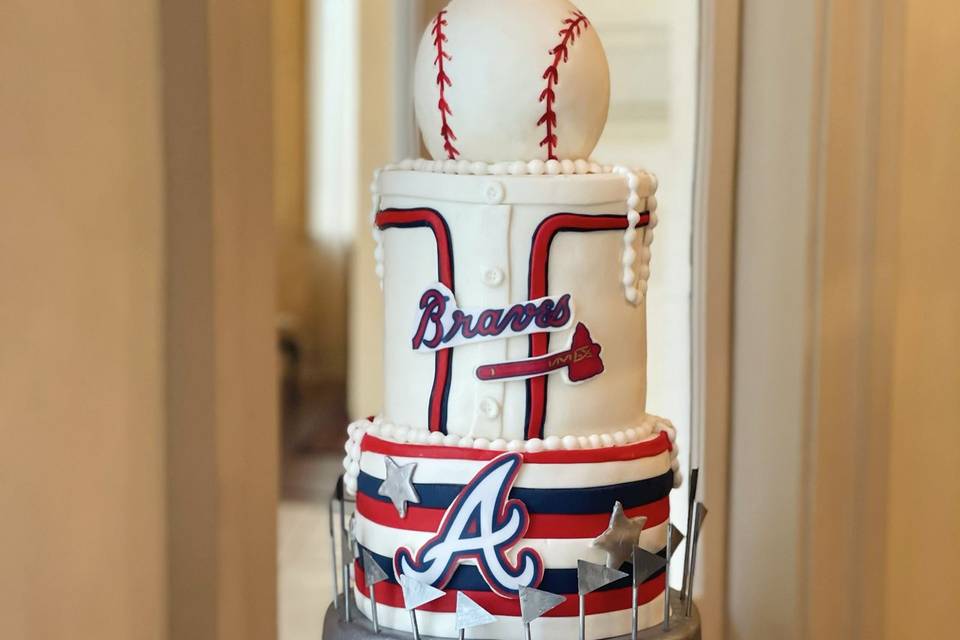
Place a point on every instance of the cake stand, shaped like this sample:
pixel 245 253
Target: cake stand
pixel 360 628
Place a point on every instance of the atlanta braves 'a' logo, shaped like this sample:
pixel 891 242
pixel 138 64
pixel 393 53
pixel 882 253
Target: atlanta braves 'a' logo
pixel 480 526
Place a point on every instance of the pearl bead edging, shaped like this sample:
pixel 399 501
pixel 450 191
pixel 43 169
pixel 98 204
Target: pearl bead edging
pixel 634 281
pixel 649 428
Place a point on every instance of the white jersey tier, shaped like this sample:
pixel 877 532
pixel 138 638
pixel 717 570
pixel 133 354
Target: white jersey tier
pixel 514 303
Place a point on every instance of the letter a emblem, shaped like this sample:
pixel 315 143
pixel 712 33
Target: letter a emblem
pixel 480 525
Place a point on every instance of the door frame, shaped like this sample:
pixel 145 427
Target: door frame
pixel 714 200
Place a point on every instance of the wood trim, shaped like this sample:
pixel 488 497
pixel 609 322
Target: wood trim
pixel 922 516
pixel 191 441
pixel 887 51
pixel 713 291
pixel 774 283
pixel 365 304
pixel 856 261
pixel 836 504
pixel 221 404
pixel 82 483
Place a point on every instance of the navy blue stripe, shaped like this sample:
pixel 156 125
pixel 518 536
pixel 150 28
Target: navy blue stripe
pixel 586 501
pixel 559 581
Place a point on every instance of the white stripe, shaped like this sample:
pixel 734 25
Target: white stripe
pixel 442 625
pixel 580 475
pixel 557 553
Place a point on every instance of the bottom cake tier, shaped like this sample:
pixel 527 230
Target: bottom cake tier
pixel 491 523
pixel 681 627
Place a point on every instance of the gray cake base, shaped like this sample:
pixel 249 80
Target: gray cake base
pixel 359 628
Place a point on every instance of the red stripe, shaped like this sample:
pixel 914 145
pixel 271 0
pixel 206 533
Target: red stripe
pixel 542 525
pixel 432 219
pixel 539 269
pixel 391 595
pixel 619 453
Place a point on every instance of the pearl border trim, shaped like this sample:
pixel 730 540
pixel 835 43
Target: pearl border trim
pixel 634 281
pixel 649 428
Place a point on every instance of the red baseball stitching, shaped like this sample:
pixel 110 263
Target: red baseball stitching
pixel 443 81
pixel 569 35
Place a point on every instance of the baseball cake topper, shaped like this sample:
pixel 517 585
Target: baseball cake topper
pixel 501 79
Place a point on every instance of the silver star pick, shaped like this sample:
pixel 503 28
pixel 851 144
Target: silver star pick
pixel 621 537
pixel 591 577
pixel 676 537
pixel 373 573
pixel 398 485
pixel 645 564
pixel 470 614
pixel 416 593
pixel 534 603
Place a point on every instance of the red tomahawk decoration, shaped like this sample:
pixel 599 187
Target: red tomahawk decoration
pixel 580 362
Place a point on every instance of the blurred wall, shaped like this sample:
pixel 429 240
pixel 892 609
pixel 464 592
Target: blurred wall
pixel 293 253
pixel 311 275
pixel 82 543
pixel 137 400
pixel 923 511
pixel 843 516
pixel 388 44
pixel 377 39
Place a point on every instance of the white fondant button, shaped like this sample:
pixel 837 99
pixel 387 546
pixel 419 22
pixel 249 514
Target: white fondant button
pixel 489 408
pixel 493 277
pixel 493 192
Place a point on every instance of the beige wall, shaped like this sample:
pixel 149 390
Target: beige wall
pixel 923 512
pixel 310 276
pixel 289 158
pixel 844 515
pixel 775 223
pixel 137 409
pixel 81 282
pixel 883 502
pixel 380 142
pixel 376 95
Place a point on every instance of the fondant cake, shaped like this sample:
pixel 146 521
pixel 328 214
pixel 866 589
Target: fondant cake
pixel 513 445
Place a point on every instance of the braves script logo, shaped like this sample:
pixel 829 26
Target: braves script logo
pixel 441 325
pixel 480 525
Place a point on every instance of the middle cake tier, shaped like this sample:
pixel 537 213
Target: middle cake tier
pixel 514 303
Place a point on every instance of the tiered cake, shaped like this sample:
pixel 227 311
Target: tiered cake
pixel 513 441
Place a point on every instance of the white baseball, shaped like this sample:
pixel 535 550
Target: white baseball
pixel 500 80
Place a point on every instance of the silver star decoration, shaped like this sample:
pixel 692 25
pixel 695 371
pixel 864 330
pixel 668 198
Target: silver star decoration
pixel 416 593
pixel 591 577
pixel 621 537
pixel 470 614
pixel 398 485
pixel 534 603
